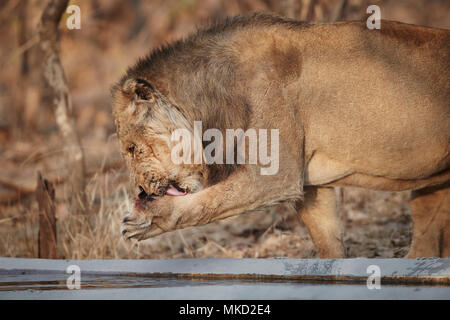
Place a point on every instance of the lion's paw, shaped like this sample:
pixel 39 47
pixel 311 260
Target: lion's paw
pixel 135 226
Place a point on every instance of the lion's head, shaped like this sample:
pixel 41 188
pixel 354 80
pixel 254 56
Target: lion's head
pixel 145 120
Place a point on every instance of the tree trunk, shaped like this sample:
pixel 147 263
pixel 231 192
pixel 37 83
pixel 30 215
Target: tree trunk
pixel 61 101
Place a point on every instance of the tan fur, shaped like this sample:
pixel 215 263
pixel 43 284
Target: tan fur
pixel 319 213
pixel 430 209
pixel 355 107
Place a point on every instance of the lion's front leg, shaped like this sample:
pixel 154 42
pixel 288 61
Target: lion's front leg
pixel 244 190
pixel 319 213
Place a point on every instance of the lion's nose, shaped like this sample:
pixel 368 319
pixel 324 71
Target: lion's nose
pixel 142 194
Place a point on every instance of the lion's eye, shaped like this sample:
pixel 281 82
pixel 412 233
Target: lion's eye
pixel 131 149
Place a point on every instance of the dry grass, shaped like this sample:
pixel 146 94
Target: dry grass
pixel 377 225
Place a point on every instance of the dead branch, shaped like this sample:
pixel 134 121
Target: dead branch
pixel 45 195
pixel 61 100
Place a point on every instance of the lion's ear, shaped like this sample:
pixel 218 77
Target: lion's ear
pixel 139 88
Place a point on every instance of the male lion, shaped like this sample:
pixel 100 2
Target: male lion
pixel 354 107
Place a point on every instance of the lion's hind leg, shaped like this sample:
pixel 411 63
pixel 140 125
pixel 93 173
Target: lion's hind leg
pixel 430 212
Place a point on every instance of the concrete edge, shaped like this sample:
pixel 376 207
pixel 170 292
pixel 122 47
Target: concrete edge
pixel 430 270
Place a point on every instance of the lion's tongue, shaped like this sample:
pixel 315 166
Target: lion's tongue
pixel 172 191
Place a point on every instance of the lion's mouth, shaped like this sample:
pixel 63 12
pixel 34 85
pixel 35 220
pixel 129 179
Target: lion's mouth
pixel 173 189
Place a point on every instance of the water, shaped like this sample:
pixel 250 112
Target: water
pixel 169 279
pixel 53 286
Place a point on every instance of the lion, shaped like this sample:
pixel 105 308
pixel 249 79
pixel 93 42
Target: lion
pixel 353 106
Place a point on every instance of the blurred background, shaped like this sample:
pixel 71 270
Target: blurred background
pixel 113 35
